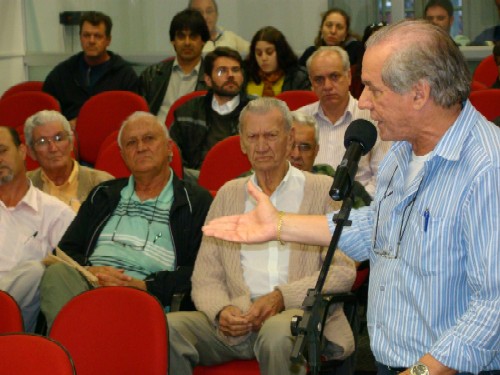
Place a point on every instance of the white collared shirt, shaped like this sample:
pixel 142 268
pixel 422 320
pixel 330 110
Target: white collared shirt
pixel 225 108
pixel 265 265
pixel 331 142
pixel 31 229
pixel 179 85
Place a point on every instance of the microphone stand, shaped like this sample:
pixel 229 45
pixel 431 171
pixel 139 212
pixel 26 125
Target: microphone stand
pixel 308 328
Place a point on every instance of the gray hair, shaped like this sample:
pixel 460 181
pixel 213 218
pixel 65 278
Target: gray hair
pixel 264 105
pixel 324 50
pixel 137 115
pixel 41 118
pixel 190 5
pixel 423 52
pixel 307 120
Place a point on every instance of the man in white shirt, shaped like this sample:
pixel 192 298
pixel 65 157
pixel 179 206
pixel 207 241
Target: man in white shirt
pixel 330 75
pixel 163 83
pixel 218 36
pixel 205 120
pixel 246 295
pixel 31 225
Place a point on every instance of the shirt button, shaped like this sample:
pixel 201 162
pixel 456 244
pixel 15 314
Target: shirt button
pixel 382 288
pixel 390 249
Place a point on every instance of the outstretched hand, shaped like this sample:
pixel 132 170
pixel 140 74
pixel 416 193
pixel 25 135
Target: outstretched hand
pixel 258 225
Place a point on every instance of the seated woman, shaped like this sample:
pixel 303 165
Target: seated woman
pixel 334 31
pixel 272 66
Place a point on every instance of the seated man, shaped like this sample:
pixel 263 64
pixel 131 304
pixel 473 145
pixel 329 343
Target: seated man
pixel 50 142
pixel 330 75
pixel 143 231
pixel 306 148
pixel 205 120
pixel 163 83
pixel 218 36
pixel 92 71
pixel 31 225
pixel 247 294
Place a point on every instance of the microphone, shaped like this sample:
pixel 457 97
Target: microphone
pixel 359 139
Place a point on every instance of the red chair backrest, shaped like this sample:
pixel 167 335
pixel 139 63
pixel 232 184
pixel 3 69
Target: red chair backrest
pixel 110 159
pixel 23 86
pixel 487 71
pixel 476 85
pixel 223 162
pixel 101 115
pixel 11 319
pixel 16 108
pixel 169 120
pixel 25 354
pixel 295 99
pixel 487 102
pixel 240 367
pixel 115 331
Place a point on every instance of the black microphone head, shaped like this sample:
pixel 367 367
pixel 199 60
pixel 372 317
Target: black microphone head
pixel 363 132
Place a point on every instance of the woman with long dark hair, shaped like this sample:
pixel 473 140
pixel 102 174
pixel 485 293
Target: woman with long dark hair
pixel 272 66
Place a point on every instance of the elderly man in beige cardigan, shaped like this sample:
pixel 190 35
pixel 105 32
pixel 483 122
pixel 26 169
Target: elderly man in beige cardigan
pixel 247 294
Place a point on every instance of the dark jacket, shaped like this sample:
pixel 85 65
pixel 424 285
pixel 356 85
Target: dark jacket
pixel 155 79
pixel 187 215
pixel 64 82
pixel 191 127
pixel 296 78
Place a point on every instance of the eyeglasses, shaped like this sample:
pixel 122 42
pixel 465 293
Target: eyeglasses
pixel 43 142
pixel 136 247
pixel 302 147
pixel 332 77
pixel 224 70
pixel 388 253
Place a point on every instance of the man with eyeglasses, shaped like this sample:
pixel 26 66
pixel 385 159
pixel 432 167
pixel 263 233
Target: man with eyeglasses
pixel 50 142
pixel 432 233
pixel 246 295
pixel 330 75
pixel 143 231
pixel 31 225
pixel 306 148
pixel 219 37
pixel 92 71
pixel 203 121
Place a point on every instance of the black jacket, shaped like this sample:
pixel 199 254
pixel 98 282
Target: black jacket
pixel 191 126
pixel 187 215
pixel 64 82
pixel 155 79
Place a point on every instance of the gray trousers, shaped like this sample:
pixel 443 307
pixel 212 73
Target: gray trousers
pixel 22 283
pixel 193 340
pixel 60 284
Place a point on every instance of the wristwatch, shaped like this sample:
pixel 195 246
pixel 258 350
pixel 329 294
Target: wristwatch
pixel 419 369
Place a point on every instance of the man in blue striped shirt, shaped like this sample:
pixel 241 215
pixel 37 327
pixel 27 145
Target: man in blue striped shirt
pixel 432 232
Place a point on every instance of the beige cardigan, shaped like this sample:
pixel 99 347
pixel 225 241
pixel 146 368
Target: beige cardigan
pixel 218 275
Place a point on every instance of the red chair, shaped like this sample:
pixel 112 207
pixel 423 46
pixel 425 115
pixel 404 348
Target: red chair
pixel 295 99
pixel 23 86
pixel 476 86
pixel 110 159
pixel 16 108
pixel 101 115
pixel 240 367
pixel 223 162
pixel 169 120
pixel 487 102
pixel 115 331
pixel 487 71
pixel 11 319
pixel 25 354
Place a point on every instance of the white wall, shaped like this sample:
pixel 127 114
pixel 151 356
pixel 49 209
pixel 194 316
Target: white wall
pixel 12 46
